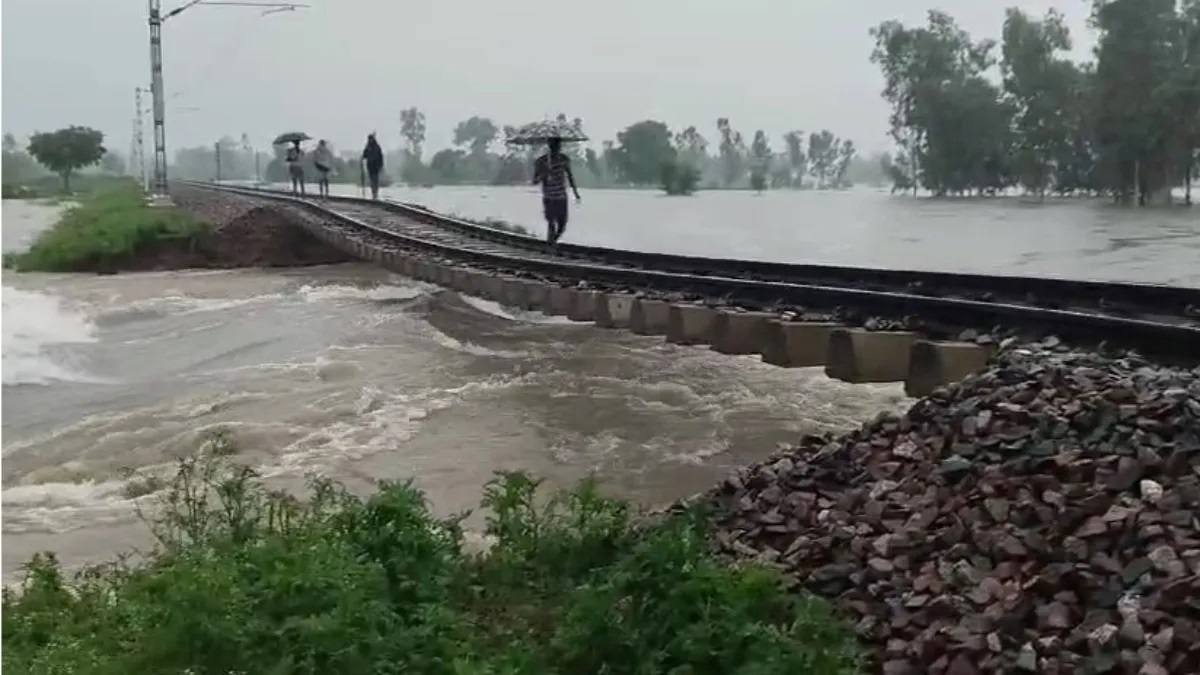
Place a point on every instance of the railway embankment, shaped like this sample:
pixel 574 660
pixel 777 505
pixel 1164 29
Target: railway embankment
pixel 112 229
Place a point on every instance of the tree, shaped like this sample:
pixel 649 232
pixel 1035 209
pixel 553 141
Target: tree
pixel 822 155
pixel 732 153
pixel 477 133
pixel 797 159
pixel 692 147
pixel 412 128
pixel 642 150
pixel 1138 53
pixel 449 165
pixel 760 151
pixel 1041 84
pixel 18 165
pixel 679 178
pixel 67 150
pixel 846 153
pixel 113 164
pixel 924 70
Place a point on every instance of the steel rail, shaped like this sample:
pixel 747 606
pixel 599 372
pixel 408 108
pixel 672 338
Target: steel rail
pixel 1172 338
pixel 1110 297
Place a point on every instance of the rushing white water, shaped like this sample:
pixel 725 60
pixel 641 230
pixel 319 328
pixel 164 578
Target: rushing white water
pixel 351 372
pixel 38 329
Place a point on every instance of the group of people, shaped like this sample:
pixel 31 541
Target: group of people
pixel 552 171
pixel 372 158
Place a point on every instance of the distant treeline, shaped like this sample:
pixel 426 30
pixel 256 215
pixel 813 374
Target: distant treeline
pixel 638 157
pixel 1126 124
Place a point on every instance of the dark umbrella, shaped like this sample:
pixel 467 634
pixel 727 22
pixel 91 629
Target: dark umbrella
pixel 538 133
pixel 291 137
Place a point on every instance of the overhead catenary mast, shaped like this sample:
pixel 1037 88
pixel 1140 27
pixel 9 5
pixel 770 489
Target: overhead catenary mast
pixel 158 188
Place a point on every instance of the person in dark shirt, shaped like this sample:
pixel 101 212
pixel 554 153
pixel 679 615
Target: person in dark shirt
pixel 372 154
pixel 553 171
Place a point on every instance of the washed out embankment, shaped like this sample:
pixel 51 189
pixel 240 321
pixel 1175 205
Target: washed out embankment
pixel 113 230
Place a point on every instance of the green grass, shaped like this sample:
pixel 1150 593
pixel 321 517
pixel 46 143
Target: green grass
pixel 245 580
pixel 110 226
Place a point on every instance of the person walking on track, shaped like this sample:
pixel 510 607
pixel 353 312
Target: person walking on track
pixel 372 154
pixel 295 164
pixel 553 171
pixel 323 160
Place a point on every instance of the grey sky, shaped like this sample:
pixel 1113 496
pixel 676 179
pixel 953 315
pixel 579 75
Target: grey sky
pixel 770 64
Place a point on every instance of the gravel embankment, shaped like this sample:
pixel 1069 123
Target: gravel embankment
pixel 1040 517
pixel 247 232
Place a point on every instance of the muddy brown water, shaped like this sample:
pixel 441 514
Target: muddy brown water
pixel 353 373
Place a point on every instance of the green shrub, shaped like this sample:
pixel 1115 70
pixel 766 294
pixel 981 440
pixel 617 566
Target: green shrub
pixel 679 178
pixel 246 580
pixel 109 226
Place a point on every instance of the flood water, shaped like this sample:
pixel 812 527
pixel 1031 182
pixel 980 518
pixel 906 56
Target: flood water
pixel 1068 238
pixel 354 373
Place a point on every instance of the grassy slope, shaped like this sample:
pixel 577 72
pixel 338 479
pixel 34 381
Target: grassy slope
pixel 246 581
pixel 111 224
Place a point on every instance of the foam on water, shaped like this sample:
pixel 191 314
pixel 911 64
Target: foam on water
pixel 38 330
pixel 496 309
pixel 383 293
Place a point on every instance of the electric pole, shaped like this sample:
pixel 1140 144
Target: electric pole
pixel 156 89
pixel 217 153
pixel 156 19
pixel 138 156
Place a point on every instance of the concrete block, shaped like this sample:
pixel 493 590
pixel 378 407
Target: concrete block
pixel 859 356
pixel 934 364
pixel 739 332
pixel 796 344
pixel 408 266
pixel 490 286
pixel 583 308
pixel 538 294
pixel 431 271
pixel 612 310
pixel 420 269
pixel 514 293
pixel 690 324
pixel 650 317
pixel 561 301
pixel 462 280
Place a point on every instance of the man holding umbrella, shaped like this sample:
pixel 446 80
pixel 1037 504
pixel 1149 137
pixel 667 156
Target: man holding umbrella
pixel 552 170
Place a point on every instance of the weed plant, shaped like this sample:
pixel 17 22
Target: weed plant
pixel 250 581
pixel 109 226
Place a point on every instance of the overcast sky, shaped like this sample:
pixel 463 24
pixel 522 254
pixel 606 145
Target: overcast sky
pixel 344 67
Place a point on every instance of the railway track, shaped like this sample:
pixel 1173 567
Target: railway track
pixel 1160 319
